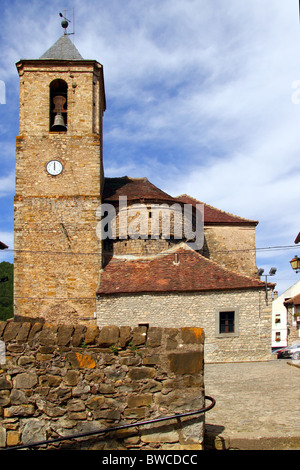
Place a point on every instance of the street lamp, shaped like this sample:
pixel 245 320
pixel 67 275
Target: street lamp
pixel 272 272
pixel 295 263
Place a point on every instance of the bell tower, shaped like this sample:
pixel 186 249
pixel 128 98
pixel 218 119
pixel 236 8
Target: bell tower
pixel 59 176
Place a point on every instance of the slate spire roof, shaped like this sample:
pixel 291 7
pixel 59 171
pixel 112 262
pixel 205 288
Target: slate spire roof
pixel 62 49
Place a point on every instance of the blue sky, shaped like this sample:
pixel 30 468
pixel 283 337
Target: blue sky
pixel 200 100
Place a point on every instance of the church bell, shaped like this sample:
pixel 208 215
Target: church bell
pixel 59 122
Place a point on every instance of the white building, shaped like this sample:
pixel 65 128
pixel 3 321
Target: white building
pixel 279 316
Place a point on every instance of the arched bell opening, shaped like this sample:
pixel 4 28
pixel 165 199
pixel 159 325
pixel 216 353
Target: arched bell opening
pixel 58 106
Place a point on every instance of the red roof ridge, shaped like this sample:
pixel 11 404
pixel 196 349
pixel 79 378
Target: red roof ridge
pixel 134 189
pixel 232 271
pixel 164 273
pixel 134 178
pixel 293 300
pixel 150 257
pixel 242 219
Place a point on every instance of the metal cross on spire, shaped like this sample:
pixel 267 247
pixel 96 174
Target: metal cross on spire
pixel 65 22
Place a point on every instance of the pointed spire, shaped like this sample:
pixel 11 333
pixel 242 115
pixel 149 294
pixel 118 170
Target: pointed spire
pixel 63 49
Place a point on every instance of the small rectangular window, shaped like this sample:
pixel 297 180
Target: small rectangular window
pixel 226 322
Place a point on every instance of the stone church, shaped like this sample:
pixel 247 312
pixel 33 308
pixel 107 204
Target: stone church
pixel 65 273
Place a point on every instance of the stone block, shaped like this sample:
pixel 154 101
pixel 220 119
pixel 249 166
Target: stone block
pixel 81 361
pixel 25 360
pixel 78 335
pixel 11 331
pixel 4 397
pixel 23 332
pixel 36 328
pixel 19 410
pixel 92 332
pixel 190 362
pixel 2 437
pixel 64 335
pixel 13 438
pixel 154 337
pixel 95 403
pixel 192 335
pixel 135 401
pixel 139 335
pixel 71 378
pixel 141 373
pixel 34 431
pixel 25 380
pixel 125 336
pixel 167 434
pixel 3 325
pixel 5 384
pixel 48 336
pixel 109 336
pixel 18 397
pixel 49 380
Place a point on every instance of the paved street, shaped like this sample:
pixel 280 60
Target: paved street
pixel 258 402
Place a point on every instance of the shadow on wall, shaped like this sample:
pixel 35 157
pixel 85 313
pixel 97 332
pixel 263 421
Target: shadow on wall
pixel 212 438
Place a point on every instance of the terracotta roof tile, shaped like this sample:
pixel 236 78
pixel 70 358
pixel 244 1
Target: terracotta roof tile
pixel 294 300
pixel 297 238
pixel 212 215
pixel 160 273
pixel 140 189
pixel 135 189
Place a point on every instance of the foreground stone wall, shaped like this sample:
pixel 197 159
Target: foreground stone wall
pixel 58 380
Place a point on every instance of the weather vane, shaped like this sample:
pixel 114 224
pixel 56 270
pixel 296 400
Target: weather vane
pixel 65 22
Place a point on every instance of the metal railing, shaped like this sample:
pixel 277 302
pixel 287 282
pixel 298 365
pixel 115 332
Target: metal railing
pixel 115 428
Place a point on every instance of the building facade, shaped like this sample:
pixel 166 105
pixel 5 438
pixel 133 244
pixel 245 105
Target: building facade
pixel 58 184
pixel 66 271
pixel 281 321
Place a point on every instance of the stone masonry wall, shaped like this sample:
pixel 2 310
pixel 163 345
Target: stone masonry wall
pixel 232 247
pixel 58 380
pixel 251 341
pixel 58 253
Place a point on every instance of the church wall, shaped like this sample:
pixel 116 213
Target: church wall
pixel 232 247
pixel 57 258
pixel 253 319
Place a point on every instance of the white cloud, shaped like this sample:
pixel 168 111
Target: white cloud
pixel 7 184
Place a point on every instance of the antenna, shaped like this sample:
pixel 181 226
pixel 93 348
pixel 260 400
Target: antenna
pixel 65 22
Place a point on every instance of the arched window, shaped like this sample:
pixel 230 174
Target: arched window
pixel 58 106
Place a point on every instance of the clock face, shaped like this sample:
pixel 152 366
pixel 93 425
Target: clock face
pixel 54 167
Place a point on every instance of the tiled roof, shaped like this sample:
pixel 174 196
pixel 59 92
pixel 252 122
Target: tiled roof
pixel 62 49
pixel 3 246
pixel 140 189
pixel 294 300
pixel 135 189
pixel 161 273
pixel 212 215
pixel 297 238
